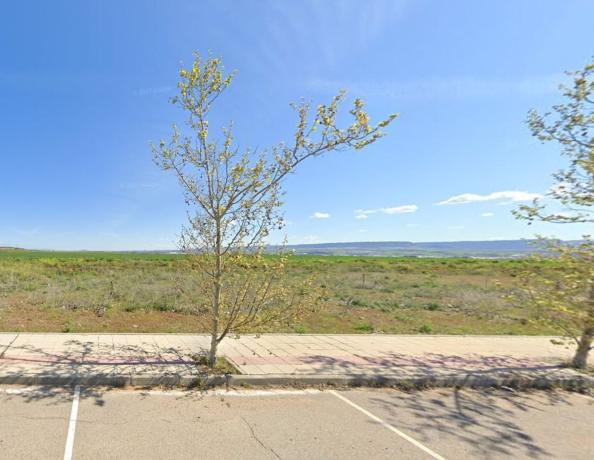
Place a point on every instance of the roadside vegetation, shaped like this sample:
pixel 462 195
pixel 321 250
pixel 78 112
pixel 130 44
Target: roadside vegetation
pixel 152 292
pixel 225 283
pixel 567 297
pixel 233 198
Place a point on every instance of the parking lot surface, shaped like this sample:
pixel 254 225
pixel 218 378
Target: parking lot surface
pixel 85 423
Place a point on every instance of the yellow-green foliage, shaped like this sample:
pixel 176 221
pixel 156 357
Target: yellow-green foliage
pixel 563 291
pixel 233 198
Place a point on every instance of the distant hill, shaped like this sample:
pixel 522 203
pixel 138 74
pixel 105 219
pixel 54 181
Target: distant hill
pixel 483 249
pixel 499 249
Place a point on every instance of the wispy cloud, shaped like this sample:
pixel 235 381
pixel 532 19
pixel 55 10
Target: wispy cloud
pixel 320 215
pixel 508 196
pixel 456 87
pixel 27 232
pixel 338 29
pixel 139 185
pixel 309 239
pixel 487 214
pixel 152 91
pixel 405 209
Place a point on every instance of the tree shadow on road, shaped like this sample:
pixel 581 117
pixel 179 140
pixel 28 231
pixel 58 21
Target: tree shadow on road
pixel 489 423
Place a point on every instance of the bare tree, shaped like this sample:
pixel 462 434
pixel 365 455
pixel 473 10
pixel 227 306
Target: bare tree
pixel 233 199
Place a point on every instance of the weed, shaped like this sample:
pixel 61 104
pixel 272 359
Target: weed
pixel 357 303
pixel 364 327
pixel 152 292
pixel 300 329
pixel 426 329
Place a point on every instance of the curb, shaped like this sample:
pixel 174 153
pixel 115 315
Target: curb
pixel 567 380
pixel 294 334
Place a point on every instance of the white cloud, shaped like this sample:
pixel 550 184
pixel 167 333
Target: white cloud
pixel 405 209
pixel 487 214
pixel 320 215
pixel 401 209
pixel 507 196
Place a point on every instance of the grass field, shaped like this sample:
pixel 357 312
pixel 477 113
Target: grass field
pixel 140 292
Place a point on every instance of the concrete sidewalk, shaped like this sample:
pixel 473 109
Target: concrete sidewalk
pixel 140 359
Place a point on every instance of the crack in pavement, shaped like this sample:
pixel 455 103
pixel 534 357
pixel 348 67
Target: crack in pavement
pixel 28 417
pixel 9 345
pixel 270 449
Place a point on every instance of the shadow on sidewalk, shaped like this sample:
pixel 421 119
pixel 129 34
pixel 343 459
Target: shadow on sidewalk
pixel 97 369
pixel 89 353
pixel 427 364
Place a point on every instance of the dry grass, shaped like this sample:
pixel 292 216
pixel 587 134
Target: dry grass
pixel 86 292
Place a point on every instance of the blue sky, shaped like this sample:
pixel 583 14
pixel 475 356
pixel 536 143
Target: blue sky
pixel 84 89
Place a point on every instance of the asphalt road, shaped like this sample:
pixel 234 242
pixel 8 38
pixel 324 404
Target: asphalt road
pixel 50 423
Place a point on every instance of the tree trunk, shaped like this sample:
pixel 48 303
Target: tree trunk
pixel 214 332
pixel 580 359
pixel 212 353
pixel 216 297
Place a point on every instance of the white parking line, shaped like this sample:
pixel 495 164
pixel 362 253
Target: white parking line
pixel 388 426
pixel 72 424
pixel 585 396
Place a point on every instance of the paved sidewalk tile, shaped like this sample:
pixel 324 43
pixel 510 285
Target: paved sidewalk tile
pixel 278 354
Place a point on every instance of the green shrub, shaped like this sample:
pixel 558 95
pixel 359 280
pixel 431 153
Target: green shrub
pixel 358 303
pixel 300 329
pixel 364 327
pixel 426 329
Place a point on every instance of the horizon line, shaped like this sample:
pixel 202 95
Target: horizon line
pixel 288 245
